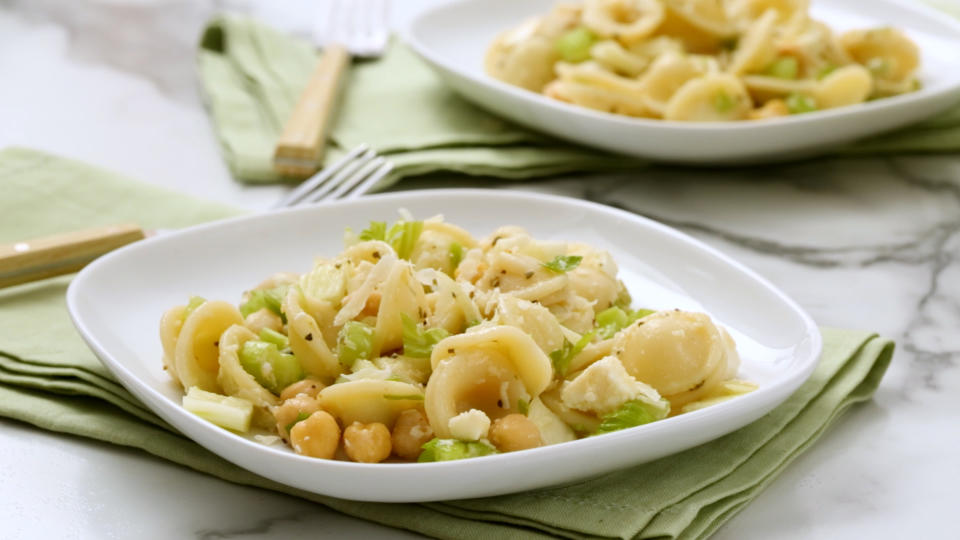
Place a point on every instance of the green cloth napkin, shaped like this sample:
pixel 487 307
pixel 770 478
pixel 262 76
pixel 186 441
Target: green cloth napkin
pixel 49 378
pixel 252 76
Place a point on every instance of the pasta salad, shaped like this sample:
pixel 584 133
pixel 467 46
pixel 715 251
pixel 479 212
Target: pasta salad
pixel 701 60
pixel 419 342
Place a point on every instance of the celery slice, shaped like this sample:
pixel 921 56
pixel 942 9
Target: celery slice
pixel 574 45
pixel 193 304
pixel 785 67
pixel 272 336
pixel 271 368
pixel 562 357
pixel 271 299
pixel 563 263
pixel 450 449
pixel 456 254
pixel 632 413
pixel 418 342
pixel 225 411
pixel 355 342
pixel 799 104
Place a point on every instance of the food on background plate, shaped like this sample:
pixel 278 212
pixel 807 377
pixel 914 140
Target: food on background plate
pixel 701 60
pixel 419 342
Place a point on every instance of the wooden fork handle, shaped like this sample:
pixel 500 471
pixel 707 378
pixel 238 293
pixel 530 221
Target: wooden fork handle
pixel 300 146
pixel 59 254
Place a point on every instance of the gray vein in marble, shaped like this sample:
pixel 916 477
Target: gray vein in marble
pixel 260 527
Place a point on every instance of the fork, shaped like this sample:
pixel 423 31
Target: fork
pixel 38 258
pixel 344 28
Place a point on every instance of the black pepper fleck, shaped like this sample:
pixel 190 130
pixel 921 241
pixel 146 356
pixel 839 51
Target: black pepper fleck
pixel 529 274
pixel 308 337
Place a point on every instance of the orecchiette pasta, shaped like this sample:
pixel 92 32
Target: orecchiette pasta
pixel 633 57
pixel 422 342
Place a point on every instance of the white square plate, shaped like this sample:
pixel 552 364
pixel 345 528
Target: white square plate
pixel 453 39
pixel 116 304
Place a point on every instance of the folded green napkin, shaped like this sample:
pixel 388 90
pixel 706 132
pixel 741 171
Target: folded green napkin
pixel 49 378
pixel 252 76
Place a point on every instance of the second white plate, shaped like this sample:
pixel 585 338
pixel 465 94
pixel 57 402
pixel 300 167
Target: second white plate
pixel 116 303
pixel 454 37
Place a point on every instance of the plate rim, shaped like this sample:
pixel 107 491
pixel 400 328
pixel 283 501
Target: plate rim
pixel 812 338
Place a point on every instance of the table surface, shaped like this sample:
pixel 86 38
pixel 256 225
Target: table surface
pixel 871 243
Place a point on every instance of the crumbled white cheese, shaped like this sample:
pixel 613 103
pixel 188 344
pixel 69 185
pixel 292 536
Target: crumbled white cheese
pixel 266 439
pixel 605 386
pixel 471 425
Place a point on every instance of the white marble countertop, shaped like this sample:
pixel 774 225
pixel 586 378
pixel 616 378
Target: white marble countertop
pixel 863 243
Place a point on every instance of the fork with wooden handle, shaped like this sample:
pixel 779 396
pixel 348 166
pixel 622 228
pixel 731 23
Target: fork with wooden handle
pixel 346 27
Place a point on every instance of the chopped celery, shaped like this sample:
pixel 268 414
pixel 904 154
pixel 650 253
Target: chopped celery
pixel 403 235
pixel 225 411
pixel 722 102
pixel 401 397
pixel 632 413
pixel 574 45
pixel 271 368
pixel 301 416
pixel 272 336
pixel 271 299
pixel 418 342
pixel 456 254
pixel 450 449
pixel 562 357
pixel 355 342
pixel 563 263
pixel 376 231
pixel 785 67
pixel 523 406
pixel 193 304
pixel 799 103
pixel 610 321
pixel 826 70
pixel 624 299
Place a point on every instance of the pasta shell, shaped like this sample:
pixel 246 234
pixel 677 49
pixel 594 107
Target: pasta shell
pixel 701 25
pixel 357 299
pixel 235 381
pixel 666 75
pixel 581 422
pixel 534 319
pixel 683 355
pixel 552 428
pixel 626 20
pixel 512 344
pixel 368 400
pixel 450 306
pixel 765 87
pixel 887 52
pixel 845 86
pixel 598 99
pixel 405 296
pixel 522 58
pixel 785 10
pixel 197 352
pixel 712 98
pixel 432 249
pixel 170 324
pixel 306 340
pixel 613 56
pixel 595 277
pixel 755 49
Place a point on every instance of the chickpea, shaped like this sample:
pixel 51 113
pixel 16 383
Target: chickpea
pixel 514 432
pixel 294 409
pixel 367 443
pixel 410 432
pixel 309 386
pixel 263 318
pixel 318 436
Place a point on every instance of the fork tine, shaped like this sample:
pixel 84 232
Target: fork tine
pixel 357 178
pixel 345 174
pixel 371 181
pixel 321 177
